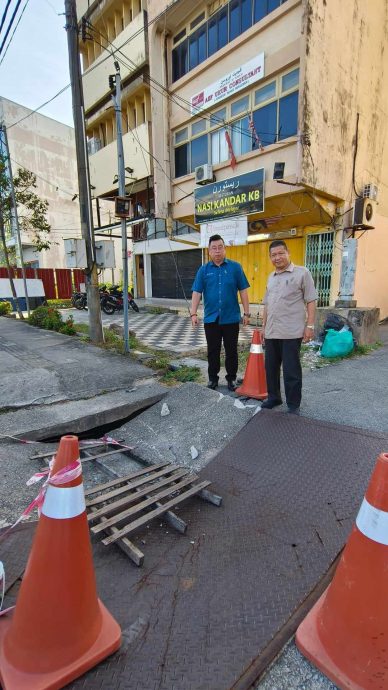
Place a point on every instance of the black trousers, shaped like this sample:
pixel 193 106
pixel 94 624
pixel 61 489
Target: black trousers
pixel 215 334
pixel 286 352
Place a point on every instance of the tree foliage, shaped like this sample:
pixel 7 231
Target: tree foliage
pixel 31 209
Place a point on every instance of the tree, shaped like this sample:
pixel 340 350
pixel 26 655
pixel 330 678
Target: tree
pixel 31 211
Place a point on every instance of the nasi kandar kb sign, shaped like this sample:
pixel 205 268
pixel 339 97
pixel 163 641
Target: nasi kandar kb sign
pixel 240 195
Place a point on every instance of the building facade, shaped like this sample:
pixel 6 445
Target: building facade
pixel 47 148
pixel 264 96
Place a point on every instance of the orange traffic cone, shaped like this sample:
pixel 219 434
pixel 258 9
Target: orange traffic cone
pixel 255 382
pixel 59 628
pixel 346 633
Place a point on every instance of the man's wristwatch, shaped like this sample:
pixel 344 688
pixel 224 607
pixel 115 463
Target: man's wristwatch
pixel 191 315
pixel 312 328
pixel 248 315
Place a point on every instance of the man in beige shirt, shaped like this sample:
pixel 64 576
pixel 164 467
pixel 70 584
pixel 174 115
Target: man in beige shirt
pixel 288 321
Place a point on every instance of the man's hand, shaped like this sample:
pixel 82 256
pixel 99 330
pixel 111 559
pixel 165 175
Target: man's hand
pixel 308 335
pixel 194 321
pixel 245 320
pixel 262 333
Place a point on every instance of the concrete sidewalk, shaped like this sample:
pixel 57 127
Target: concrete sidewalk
pixel 40 368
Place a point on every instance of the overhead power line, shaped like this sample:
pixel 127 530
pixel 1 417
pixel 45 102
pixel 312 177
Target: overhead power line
pixel 11 21
pixel 13 33
pixel 156 86
pixel 4 14
pixel 32 112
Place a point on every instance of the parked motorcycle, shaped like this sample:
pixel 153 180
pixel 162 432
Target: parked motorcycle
pixel 79 300
pixel 114 301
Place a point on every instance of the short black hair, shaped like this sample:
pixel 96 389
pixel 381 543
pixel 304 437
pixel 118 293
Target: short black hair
pixel 277 243
pixel 215 238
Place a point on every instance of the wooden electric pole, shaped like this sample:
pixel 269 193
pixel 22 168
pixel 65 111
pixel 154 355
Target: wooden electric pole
pixel 93 296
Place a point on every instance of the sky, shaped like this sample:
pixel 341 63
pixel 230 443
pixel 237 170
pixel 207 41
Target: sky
pixel 36 64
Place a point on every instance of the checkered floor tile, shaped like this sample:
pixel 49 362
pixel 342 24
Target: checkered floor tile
pixel 164 331
pixel 172 332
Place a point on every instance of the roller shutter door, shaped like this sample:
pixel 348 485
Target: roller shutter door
pixel 165 279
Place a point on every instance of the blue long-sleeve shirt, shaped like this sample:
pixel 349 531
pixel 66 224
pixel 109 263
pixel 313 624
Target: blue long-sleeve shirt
pixel 219 286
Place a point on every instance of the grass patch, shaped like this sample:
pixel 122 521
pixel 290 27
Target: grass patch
pixel 169 376
pixel 157 310
pixel 182 375
pixel 82 328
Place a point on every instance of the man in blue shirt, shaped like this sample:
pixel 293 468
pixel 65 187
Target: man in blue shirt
pixel 219 281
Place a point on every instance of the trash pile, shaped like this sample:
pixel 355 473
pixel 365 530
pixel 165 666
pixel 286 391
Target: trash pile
pixel 335 340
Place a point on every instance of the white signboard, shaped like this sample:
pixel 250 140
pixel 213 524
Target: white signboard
pixel 34 288
pixel 233 231
pixel 240 78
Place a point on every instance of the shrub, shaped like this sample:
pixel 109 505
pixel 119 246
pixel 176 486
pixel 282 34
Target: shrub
pixel 68 327
pixel 60 303
pixel 46 317
pixel 5 308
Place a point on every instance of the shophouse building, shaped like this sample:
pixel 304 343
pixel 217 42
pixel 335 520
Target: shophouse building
pixel 270 112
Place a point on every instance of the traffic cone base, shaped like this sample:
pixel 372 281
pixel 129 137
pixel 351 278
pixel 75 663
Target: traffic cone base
pixel 107 642
pixel 346 633
pixel 309 643
pixel 59 628
pixel 254 384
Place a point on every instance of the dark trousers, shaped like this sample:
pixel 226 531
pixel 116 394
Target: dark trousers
pixel 215 334
pixel 286 352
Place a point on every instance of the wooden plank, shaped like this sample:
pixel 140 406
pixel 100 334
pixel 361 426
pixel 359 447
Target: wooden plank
pixel 173 520
pixel 127 500
pixel 155 513
pixel 210 497
pixel 104 455
pixel 145 504
pixel 134 484
pixel 127 546
pixel 121 480
pixel 40 456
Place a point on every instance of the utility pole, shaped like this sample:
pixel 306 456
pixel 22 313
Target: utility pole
pixel 115 80
pixel 4 139
pixel 93 295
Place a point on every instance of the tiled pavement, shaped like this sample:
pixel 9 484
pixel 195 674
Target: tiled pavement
pixel 165 331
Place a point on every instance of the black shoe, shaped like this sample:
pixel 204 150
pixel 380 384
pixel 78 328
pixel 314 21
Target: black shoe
pixel 213 385
pixel 232 385
pixel 293 410
pixel 270 404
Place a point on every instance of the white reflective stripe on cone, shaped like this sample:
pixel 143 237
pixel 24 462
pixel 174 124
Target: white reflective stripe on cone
pixel 373 523
pixel 256 349
pixel 61 503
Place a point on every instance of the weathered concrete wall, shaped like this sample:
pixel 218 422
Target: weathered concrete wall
pixel 47 148
pixel 344 112
pixel 346 72
pixel 364 322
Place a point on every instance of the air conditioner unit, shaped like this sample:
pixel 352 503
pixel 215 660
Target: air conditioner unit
pixel 364 212
pixel 204 174
pixel 370 191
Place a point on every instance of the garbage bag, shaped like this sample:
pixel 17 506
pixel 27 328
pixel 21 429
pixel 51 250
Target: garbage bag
pixel 337 343
pixel 336 322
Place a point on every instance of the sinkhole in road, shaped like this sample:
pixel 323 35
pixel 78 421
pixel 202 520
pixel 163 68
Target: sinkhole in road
pixel 95 431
